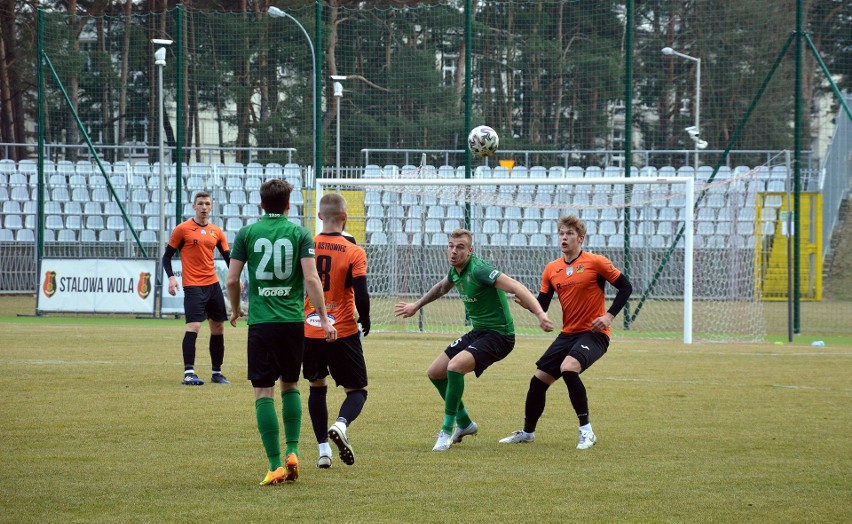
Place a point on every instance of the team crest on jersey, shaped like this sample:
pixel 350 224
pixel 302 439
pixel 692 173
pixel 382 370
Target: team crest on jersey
pixel 569 271
pixel 580 268
pixel 203 231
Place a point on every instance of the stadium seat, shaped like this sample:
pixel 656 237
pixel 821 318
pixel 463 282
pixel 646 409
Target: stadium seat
pixel 538 240
pixel 13 222
pixel 11 207
pixel 538 172
pixel 665 228
pixel 451 224
pixel 92 208
pixel 7 235
pixel 589 214
pixel 20 193
pixel 273 170
pixel 446 172
pixel 66 235
pixel 116 223
pixel 372 197
pixel 595 241
pixel 455 212
pixel 776 186
pixel 238 196
pixel 510 226
pixel 498 239
pixel 25 235
pixel 107 235
pixel 255 170
pixel 607 228
pixel 233 224
pixel 613 172
pixel 147 236
pixel 707 214
pixel 7 166
pixel 666 171
pixel 413 225
pixel 373 225
pixel 373 171
pixel 95 222
pixel 396 211
pixel 378 238
pixel 491 226
pixel 518 240
pixel 529 227
pixel 432 225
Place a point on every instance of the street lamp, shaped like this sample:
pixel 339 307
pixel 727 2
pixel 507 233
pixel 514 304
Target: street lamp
pixel 338 93
pixel 694 131
pixel 278 13
pixel 160 62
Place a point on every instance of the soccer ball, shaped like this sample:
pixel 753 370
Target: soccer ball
pixel 482 141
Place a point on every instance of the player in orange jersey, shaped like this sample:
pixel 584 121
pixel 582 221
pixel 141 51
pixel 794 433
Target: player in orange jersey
pixel 342 267
pixel 203 299
pixel 578 278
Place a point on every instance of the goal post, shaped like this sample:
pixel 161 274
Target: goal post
pixel 406 220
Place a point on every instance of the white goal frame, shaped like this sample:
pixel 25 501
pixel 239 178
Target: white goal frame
pixel 688 209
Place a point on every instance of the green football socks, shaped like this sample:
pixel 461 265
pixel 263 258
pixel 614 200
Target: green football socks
pixel 463 420
pixel 452 400
pixel 291 411
pixel 267 426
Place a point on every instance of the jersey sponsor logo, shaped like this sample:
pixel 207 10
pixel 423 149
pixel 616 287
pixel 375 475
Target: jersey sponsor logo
pixel 314 320
pixel 281 291
pixel 493 275
pixel 203 231
pixel 465 298
pixel 569 271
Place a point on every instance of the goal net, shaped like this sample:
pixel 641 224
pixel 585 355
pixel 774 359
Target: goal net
pixel 690 273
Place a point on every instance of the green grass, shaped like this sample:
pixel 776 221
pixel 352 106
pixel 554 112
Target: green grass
pixel 96 428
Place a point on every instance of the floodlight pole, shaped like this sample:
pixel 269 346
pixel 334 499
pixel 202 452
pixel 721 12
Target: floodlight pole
pixel 160 63
pixel 338 93
pixel 669 51
pixel 278 13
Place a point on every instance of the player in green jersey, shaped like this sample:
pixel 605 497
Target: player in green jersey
pixel 482 289
pixel 279 257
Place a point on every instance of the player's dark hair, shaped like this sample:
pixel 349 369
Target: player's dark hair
pixel 275 196
pixel 201 194
pixel 461 232
pixel 572 222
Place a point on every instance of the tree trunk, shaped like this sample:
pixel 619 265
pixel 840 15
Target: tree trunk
pixel 122 80
pixel 72 133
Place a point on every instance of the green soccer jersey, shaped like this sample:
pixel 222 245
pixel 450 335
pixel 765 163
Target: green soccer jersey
pixel 485 304
pixel 273 249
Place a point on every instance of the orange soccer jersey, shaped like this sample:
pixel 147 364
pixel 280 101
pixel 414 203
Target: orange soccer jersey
pixel 580 286
pixel 196 244
pixel 338 262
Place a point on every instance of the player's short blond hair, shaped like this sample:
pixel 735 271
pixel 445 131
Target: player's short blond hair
pixel 572 222
pixel 461 232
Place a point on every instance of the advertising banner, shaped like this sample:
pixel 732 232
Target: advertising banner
pixel 96 286
pixel 173 305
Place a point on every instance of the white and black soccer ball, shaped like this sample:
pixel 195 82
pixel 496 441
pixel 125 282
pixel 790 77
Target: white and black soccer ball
pixel 482 141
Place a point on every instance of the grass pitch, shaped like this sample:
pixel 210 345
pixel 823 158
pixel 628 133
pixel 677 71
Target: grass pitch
pixel 96 428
